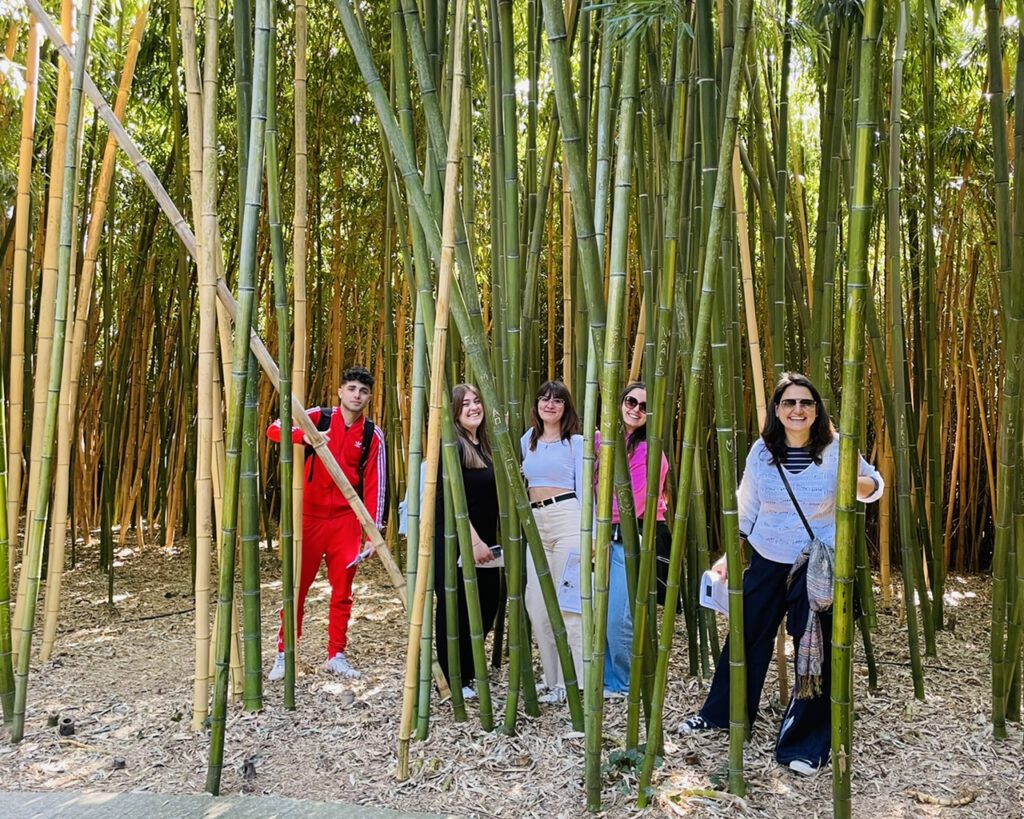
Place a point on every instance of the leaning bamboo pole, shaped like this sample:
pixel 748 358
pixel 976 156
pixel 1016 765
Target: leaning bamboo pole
pixel 420 599
pixel 69 393
pixel 32 564
pixel 858 291
pixel 16 373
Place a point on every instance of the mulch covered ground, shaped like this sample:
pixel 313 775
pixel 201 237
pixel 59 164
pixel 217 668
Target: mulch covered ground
pixel 125 676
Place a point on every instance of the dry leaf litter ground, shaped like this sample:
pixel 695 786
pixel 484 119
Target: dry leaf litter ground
pixel 124 676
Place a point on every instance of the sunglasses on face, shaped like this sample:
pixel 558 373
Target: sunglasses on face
pixel 803 403
pixel 629 402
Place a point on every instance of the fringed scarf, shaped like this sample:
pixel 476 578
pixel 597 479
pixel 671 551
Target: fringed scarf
pixel 820 566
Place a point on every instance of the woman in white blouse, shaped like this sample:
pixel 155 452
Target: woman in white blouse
pixel 799 440
pixel 552 452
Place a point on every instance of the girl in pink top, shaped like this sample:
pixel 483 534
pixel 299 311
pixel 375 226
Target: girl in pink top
pixel 633 406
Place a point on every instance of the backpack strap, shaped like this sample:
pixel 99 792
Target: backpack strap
pixel 323 423
pixel 364 457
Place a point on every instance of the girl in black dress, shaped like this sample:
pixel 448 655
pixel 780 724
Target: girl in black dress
pixel 482 502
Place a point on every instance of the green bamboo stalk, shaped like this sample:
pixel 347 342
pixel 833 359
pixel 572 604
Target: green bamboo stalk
pixel 6 656
pixel 284 365
pixel 896 423
pixel 32 563
pixel 252 691
pixel 1016 596
pixel 657 398
pixel 239 373
pixel 828 206
pixel 700 338
pixel 460 508
pixel 1006 655
pixel 858 291
pixel 611 379
pixel 782 178
pixel 512 317
pixel 934 446
pixel 451 593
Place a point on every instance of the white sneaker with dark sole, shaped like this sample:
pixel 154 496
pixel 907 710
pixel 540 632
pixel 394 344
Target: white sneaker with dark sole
pixel 803 767
pixel 277 672
pixel 340 666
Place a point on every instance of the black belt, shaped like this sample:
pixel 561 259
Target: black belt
pixel 548 501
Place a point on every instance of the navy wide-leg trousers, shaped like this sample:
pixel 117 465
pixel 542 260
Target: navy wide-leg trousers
pixel 806 731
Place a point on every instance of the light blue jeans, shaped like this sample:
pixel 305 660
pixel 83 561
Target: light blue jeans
pixel 619 639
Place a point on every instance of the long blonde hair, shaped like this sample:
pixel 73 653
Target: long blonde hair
pixel 472 458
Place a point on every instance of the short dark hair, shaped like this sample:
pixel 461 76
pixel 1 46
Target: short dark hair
pixel 358 373
pixel 774 433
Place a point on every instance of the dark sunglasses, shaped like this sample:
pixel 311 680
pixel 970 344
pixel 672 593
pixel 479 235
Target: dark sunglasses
pixel 631 403
pixel 804 403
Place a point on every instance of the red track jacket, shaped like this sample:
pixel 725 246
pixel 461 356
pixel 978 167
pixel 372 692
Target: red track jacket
pixel 322 499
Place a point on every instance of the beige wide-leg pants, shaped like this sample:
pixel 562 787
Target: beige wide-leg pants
pixel 559 525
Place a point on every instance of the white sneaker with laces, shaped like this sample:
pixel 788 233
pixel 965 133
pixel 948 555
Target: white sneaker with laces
pixel 555 694
pixel 277 672
pixel 468 693
pixel 340 666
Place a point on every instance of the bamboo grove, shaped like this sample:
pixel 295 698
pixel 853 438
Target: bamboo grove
pixel 699 194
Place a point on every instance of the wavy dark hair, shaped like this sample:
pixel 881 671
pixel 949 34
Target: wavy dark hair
pixel 472 458
pixel 640 433
pixel 774 433
pixel 570 419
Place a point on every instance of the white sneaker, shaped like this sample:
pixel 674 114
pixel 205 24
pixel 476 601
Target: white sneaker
pixel 340 666
pixel 555 694
pixel 468 693
pixel 277 672
pixel 803 767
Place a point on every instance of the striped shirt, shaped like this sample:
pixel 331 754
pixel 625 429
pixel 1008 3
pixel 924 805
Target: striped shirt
pixel 797 459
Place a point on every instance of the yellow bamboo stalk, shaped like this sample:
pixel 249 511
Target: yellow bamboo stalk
pixel 208 261
pixel 420 601
pixel 19 282
pixel 47 302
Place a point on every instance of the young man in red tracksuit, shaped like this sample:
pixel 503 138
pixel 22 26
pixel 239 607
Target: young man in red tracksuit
pixel 330 529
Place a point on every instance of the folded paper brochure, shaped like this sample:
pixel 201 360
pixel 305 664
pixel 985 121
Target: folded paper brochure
pixel 714 592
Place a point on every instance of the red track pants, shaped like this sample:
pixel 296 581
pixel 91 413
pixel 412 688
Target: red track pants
pixel 337 540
